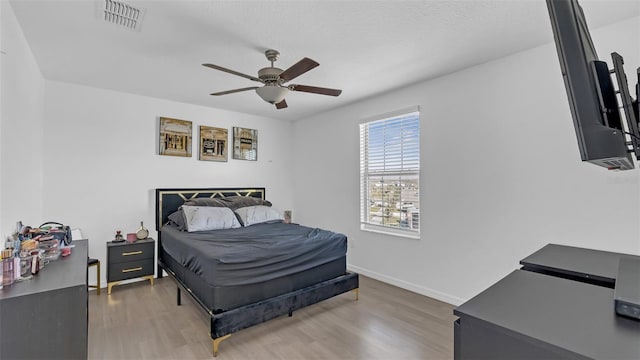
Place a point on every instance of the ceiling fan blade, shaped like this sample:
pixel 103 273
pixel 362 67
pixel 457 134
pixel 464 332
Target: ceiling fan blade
pixel 281 105
pixel 298 69
pixel 234 91
pixel 216 67
pixel 315 90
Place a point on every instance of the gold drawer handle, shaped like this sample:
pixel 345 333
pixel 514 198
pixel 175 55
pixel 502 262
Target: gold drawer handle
pixel 132 253
pixel 131 270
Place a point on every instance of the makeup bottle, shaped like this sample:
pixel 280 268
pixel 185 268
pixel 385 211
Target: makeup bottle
pixel 7 268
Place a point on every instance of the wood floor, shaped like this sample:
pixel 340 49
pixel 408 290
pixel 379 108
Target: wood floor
pixel 138 321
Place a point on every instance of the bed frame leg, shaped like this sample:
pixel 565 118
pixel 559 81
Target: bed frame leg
pixel 178 298
pixel 357 293
pixel 216 343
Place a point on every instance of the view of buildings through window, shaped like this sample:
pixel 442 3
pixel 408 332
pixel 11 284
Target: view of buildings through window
pixel 390 172
pixel 394 201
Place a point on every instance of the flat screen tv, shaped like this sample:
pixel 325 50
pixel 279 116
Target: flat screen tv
pixel 590 90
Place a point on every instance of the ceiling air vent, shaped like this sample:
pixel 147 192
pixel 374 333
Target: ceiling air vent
pixel 122 14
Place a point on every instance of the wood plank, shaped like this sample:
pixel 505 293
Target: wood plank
pixel 139 321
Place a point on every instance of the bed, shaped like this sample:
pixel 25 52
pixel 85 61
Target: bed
pixel 243 277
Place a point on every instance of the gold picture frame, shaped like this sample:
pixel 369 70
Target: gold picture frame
pixel 175 137
pixel 245 144
pixel 213 143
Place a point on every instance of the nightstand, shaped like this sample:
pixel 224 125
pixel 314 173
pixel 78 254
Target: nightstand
pixel 127 260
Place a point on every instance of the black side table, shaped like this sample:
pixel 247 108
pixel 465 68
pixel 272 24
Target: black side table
pixel 130 260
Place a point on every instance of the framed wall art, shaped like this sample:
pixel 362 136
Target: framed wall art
pixel 213 143
pixel 245 144
pixel 175 137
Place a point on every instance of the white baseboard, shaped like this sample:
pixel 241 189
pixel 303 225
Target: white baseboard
pixel 453 300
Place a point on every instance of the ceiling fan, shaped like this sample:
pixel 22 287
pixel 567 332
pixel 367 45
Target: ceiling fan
pixel 273 90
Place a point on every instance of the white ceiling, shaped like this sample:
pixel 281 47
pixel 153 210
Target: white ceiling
pixel 363 47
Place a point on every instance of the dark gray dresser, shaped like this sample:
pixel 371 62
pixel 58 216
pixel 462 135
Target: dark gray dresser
pixel 46 317
pixel 529 315
pixel 595 267
pixel 558 306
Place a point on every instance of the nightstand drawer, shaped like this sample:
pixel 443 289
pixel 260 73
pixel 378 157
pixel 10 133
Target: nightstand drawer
pixel 131 252
pixel 130 270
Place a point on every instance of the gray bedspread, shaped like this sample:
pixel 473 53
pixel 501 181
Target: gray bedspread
pixel 252 254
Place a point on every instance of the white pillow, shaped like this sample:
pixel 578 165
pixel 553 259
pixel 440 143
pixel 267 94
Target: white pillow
pixel 257 214
pixel 201 218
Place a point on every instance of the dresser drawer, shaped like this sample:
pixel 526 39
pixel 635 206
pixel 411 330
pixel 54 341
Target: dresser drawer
pixel 130 270
pixel 130 252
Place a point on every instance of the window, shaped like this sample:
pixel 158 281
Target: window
pixel 390 173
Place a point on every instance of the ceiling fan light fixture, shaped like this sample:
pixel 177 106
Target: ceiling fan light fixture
pixel 273 79
pixel 272 93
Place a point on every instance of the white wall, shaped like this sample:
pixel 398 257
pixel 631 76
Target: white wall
pixel 501 175
pixel 2 52
pixel 21 119
pixel 101 164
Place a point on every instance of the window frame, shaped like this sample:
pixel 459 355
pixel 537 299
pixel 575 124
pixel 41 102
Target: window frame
pixel 365 174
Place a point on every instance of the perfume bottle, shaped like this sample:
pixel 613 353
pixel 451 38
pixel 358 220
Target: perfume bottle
pixel 142 232
pixel 35 262
pixel 7 268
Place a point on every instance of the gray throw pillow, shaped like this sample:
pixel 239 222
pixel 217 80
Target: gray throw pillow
pixel 202 218
pixel 250 215
pixel 237 202
pixel 232 202
pixel 218 202
pixel 178 219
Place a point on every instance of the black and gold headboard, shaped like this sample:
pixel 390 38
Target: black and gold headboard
pixel 169 200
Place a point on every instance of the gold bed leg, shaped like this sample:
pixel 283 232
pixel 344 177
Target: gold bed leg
pixel 357 293
pixel 216 343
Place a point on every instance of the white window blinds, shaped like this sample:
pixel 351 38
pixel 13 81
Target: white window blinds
pixel 390 173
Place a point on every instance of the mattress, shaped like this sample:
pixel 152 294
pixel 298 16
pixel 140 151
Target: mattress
pixel 229 268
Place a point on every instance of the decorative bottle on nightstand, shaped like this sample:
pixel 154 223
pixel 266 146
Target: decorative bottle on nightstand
pixel 142 232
